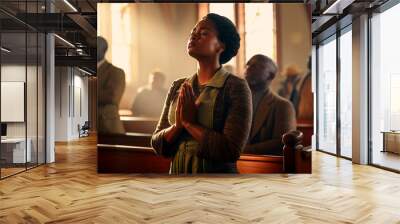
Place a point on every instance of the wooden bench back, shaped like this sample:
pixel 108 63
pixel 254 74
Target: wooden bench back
pixel 139 124
pixel 130 159
pixel 131 153
pixel 128 139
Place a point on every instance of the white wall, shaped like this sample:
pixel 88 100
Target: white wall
pixel 360 90
pixel 33 127
pixel 16 73
pixel 80 112
pixel 70 84
pixel 61 103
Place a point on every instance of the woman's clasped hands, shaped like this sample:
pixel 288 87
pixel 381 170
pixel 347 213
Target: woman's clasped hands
pixel 186 109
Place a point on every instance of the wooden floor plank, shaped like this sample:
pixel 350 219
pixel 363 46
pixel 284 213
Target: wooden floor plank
pixel 70 191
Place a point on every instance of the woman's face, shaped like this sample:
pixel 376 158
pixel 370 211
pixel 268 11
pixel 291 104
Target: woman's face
pixel 203 41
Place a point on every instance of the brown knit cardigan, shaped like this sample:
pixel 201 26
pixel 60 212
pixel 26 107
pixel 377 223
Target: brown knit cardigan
pixel 231 126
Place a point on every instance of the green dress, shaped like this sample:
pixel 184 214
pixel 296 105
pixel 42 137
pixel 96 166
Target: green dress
pixel 224 111
pixel 186 160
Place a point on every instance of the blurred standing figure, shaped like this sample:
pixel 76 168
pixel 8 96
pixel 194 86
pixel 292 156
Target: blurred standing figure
pixel 110 86
pixel 289 88
pixel 273 115
pixel 305 103
pixel 150 98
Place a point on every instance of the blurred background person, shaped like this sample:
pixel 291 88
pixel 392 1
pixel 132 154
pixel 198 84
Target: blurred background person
pixel 111 85
pixel 289 88
pixel 305 103
pixel 273 115
pixel 150 98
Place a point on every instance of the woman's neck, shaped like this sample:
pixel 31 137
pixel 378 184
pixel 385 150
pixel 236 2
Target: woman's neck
pixel 206 71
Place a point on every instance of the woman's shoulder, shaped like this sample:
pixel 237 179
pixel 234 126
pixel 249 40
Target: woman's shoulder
pixel 234 82
pixel 176 83
pixel 174 88
pixel 179 81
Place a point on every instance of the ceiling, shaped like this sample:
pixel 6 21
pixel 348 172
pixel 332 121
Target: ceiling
pixel 331 15
pixel 74 21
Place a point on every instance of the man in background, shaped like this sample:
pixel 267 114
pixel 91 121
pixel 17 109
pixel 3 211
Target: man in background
pixel 110 87
pixel 150 98
pixel 273 115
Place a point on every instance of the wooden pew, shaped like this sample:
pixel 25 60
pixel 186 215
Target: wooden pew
pixel 295 159
pixel 305 109
pixel 130 159
pixel 139 124
pixel 131 153
pixel 306 127
pixel 128 139
pixel 148 125
pixel 250 163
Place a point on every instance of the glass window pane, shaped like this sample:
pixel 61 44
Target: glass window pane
pixel 22 88
pixel 41 98
pixel 259 30
pixel 385 114
pixel 327 96
pixel 32 8
pixel 14 153
pixel 346 94
pixel 31 97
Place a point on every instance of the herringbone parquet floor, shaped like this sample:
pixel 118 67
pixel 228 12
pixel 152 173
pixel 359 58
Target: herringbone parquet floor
pixel 70 191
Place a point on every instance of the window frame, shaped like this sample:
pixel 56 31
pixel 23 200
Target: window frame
pixel 239 14
pixel 333 36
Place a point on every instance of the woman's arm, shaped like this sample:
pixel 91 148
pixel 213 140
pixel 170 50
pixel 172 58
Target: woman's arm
pixel 172 133
pixel 225 146
pixel 165 133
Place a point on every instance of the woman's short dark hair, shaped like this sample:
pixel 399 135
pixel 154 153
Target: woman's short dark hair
pixel 227 34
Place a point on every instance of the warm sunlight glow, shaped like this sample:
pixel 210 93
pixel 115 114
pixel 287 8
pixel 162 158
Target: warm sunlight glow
pixel 260 30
